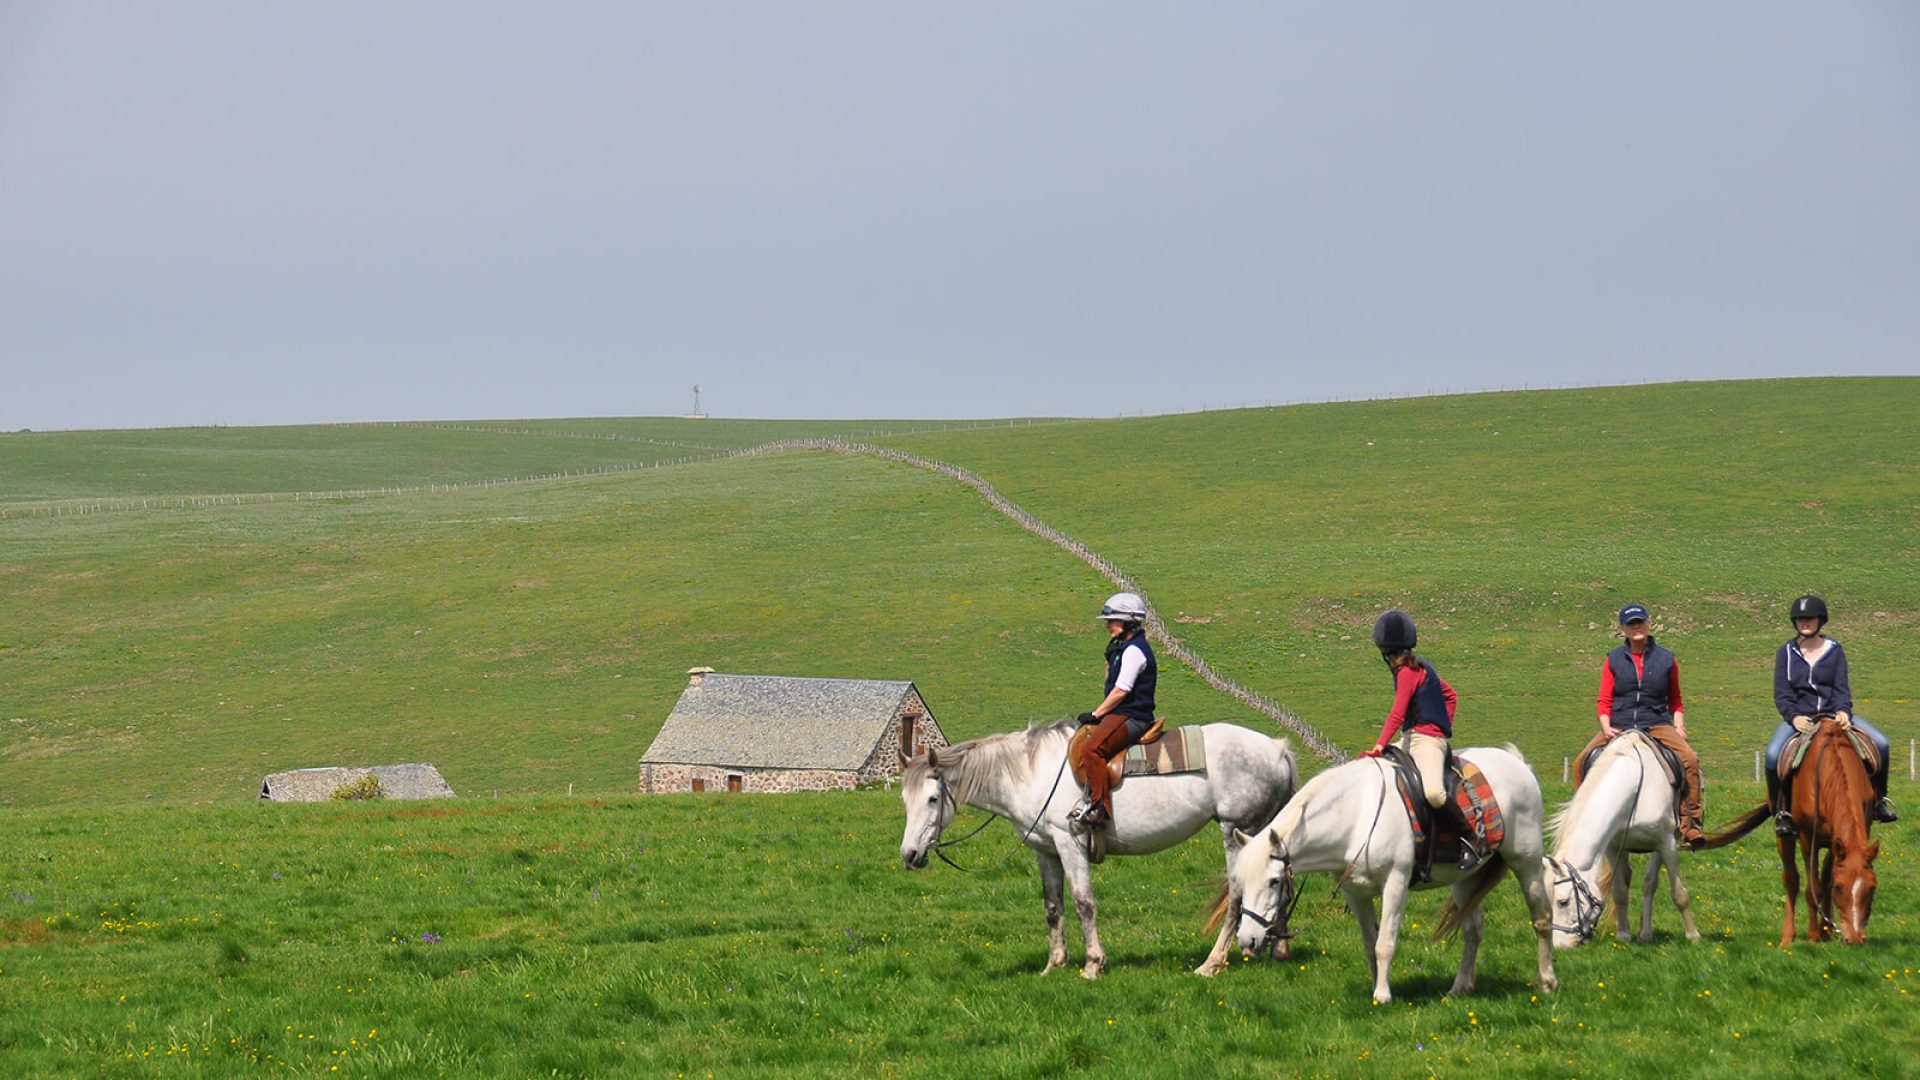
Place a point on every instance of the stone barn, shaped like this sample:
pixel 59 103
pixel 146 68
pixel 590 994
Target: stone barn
pixel 318 785
pixel 775 733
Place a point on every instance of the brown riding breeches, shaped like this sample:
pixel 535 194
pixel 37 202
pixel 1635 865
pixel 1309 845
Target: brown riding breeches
pixel 1108 739
pixel 1667 736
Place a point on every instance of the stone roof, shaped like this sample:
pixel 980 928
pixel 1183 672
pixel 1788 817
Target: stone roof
pixel 317 785
pixel 778 722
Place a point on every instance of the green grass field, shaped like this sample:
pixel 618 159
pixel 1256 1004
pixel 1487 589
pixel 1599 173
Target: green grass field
pixel 155 664
pixel 681 936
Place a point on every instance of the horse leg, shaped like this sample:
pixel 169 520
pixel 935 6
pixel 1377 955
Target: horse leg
pixel 1621 893
pixel 1532 876
pixel 1080 884
pixel 1820 899
pixel 1473 923
pixel 1393 904
pixel 1361 904
pixel 1648 886
pixel 1682 899
pixel 1789 877
pixel 1217 961
pixel 1053 880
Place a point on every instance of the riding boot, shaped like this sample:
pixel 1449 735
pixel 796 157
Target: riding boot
pixel 1782 816
pixel 1470 854
pixel 1882 806
pixel 1096 817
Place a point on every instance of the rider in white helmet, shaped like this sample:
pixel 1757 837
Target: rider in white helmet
pixel 1126 712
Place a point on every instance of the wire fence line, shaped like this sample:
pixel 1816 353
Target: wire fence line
pixel 1156 628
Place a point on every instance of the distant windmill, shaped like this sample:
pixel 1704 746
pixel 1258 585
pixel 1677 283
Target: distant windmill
pixel 696 414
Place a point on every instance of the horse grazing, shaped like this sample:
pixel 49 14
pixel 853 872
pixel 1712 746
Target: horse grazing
pixel 1625 805
pixel 1350 820
pixel 1828 798
pixel 1019 776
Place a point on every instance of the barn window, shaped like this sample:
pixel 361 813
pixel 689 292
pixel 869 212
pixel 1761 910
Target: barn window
pixel 906 735
pixel 733 781
pixel 699 783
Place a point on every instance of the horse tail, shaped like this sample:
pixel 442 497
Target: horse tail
pixel 1217 910
pixel 1739 827
pixel 1451 916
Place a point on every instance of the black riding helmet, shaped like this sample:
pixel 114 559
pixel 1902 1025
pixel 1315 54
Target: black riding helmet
pixel 1808 607
pixel 1394 632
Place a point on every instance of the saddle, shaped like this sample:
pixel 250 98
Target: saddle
pixel 1795 751
pixel 1117 765
pixel 1470 793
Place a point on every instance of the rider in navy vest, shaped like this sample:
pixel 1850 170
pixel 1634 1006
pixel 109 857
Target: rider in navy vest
pixel 1810 680
pixel 1126 712
pixel 1640 691
pixel 1423 708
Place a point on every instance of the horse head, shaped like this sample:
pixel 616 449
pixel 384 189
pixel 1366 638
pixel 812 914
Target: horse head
pixel 1577 905
pixel 1263 875
pixel 930 807
pixel 1853 885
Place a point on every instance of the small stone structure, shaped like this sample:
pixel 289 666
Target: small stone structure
pixel 775 733
pixel 318 785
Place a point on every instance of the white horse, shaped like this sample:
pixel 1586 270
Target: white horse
pixel 1350 821
pixel 1021 776
pixel 1624 805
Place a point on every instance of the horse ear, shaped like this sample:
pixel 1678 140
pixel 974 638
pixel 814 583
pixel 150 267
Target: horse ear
pixel 1873 850
pixel 1273 837
pixel 1241 838
pixel 933 757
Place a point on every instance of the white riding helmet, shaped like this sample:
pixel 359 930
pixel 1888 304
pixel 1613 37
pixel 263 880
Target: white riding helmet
pixel 1125 606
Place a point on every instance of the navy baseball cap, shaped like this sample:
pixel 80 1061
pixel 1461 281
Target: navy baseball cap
pixel 1633 613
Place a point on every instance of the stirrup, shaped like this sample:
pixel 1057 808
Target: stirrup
pixel 1470 858
pixel 1883 810
pixel 1783 824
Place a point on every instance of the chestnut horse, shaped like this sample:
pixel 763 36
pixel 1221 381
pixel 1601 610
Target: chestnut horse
pixel 1829 800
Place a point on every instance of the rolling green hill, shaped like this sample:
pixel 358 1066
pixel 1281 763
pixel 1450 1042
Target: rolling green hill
pixel 532 636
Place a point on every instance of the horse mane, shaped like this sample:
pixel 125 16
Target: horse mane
pixel 1839 770
pixel 1578 804
pixel 968 766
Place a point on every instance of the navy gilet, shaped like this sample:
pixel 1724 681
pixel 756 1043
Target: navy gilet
pixel 1137 705
pixel 1642 699
pixel 1429 704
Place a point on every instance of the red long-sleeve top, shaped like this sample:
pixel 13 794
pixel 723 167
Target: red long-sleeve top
pixel 1405 682
pixel 1605 701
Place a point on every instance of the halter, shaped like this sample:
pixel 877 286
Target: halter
pixel 1586 905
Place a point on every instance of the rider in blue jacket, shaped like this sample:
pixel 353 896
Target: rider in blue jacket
pixel 1810 681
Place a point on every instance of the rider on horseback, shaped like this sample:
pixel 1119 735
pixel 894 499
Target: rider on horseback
pixel 1809 681
pixel 1640 691
pixel 1423 705
pixel 1126 713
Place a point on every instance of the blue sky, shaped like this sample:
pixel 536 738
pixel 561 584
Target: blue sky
pixel 247 213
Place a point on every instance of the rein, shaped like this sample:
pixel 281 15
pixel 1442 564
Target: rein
pixel 1825 905
pixel 937 845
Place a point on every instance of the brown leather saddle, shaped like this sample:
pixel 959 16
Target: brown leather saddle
pixel 1117 764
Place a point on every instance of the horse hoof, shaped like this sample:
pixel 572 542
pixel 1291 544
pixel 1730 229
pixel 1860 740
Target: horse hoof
pixel 1208 971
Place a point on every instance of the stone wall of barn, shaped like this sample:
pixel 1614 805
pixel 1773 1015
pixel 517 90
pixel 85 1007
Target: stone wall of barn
pixel 884 763
pixel 665 779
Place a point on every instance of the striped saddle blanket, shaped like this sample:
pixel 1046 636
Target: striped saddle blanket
pixel 1181 750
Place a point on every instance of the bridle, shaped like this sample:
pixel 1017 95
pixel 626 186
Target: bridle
pixel 932 833
pixel 1587 906
pixel 1286 898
